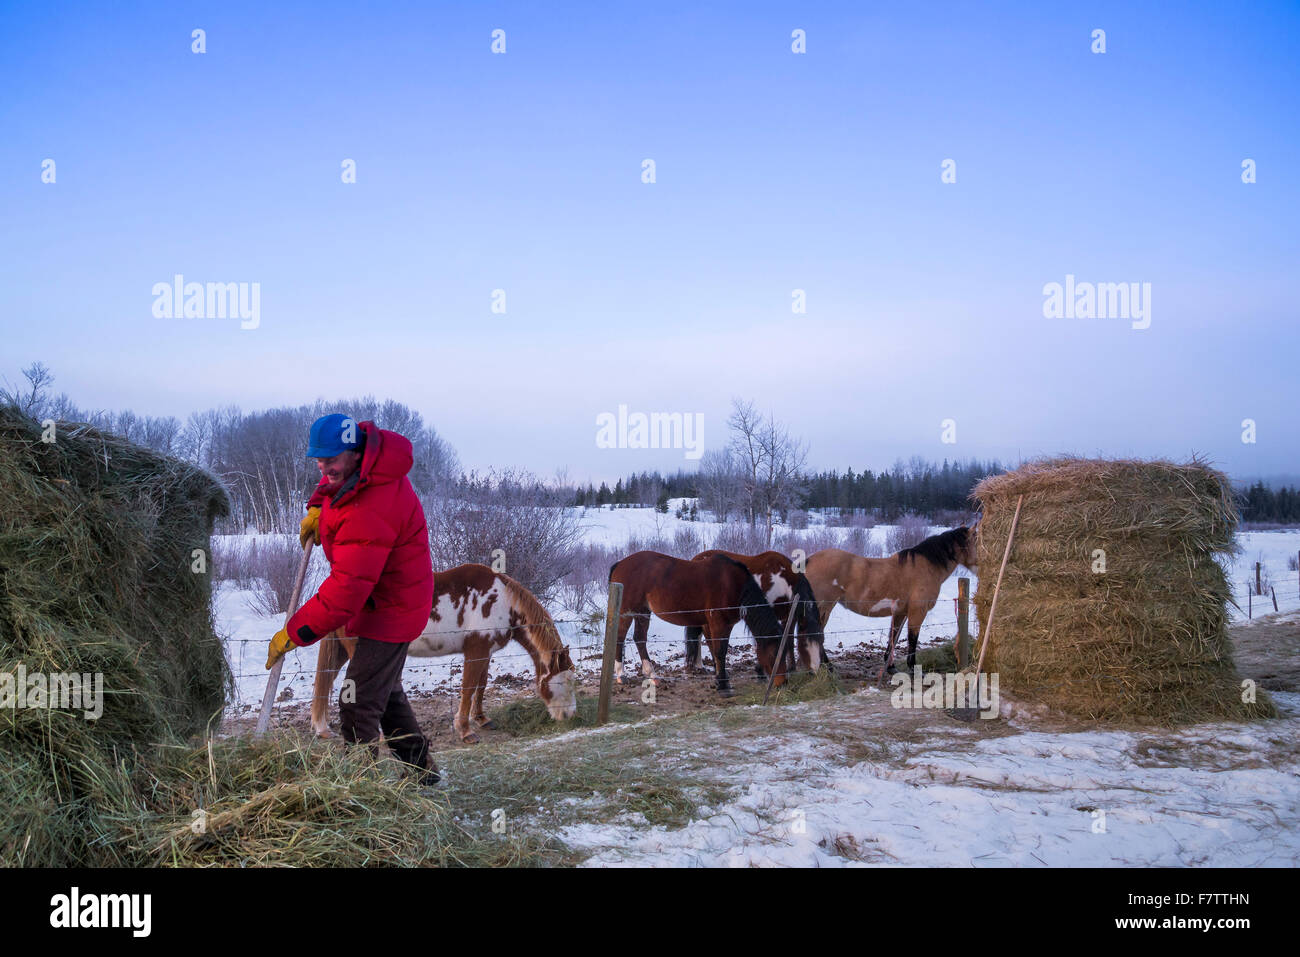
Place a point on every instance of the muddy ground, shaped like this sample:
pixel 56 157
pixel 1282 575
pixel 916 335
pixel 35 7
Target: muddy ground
pixel 1267 650
pixel 675 692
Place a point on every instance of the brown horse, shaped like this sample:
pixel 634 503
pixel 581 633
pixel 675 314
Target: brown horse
pixel 476 612
pixel 905 585
pixel 710 595
pixel 781 585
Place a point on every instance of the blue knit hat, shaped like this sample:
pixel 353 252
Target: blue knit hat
pixel 332 434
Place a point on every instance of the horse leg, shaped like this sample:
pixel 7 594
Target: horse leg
pixel 895 631
pixel 639 634
pixel 329 659
pixel 624 623
pixel 914 619
pixel 479 717
pixel 476 661
pixel 693 633
pixel 718 635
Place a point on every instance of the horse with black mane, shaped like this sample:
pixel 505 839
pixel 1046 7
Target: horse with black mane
pixel 904 586
pixel 775 576
pixel 710 595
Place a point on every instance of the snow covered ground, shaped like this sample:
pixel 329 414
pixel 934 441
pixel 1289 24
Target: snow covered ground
pixel 1214 795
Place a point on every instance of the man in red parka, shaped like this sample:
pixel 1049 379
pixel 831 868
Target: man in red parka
pixel 367 517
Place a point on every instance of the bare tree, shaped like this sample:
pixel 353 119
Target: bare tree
pixel 34 399
pixel 770 461
pixel 720 483
pixel 508 517
pixel 746 451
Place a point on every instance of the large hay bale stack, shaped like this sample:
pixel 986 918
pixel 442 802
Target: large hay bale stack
pixel 1144 640
pixel 96 543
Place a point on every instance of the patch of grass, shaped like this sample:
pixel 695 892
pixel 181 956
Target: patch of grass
pixel 801 686
pixel 941 658
pixel 528 717
pixel 553 785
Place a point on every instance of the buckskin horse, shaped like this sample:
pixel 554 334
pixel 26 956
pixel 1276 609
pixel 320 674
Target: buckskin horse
pixel 904 585
pixel 710 596
pixel 775 576
pixel 475 613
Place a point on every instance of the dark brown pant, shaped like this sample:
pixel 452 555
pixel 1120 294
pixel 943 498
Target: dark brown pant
pixel 380 704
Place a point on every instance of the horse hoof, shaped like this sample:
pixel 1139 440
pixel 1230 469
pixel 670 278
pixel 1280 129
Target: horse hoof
pixel 726 692
pixel 324 733
pixel 487 724
pixel 470 738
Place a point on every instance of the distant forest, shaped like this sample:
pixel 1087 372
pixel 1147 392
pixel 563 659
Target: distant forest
pixel 923 488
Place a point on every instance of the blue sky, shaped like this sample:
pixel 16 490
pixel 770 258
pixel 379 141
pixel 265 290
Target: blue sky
pixel 775 172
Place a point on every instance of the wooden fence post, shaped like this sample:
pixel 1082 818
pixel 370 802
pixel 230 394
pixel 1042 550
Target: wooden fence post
pixel 1259 589
pixel 963 622
pixel 1250 605
pixel 611 641
pixel 780 652
pixel 1274 590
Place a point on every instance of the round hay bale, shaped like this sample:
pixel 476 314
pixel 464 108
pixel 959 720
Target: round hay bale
pixel 1113 606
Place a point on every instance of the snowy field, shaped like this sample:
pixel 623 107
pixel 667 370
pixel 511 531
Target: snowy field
pixel 1211 795
pixel 248 632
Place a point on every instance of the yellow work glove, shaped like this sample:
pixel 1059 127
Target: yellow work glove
pixel 309 527
pixel 281 645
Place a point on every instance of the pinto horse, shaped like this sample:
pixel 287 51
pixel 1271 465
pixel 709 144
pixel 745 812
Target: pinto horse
pixel 476 612
pixel 904 586
pixel 707 596
pixel 781 585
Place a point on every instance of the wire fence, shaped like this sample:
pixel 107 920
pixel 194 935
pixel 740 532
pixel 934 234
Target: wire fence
pixel 1281 593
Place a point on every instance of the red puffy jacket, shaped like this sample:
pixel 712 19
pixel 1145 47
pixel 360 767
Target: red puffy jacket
pixel 373 531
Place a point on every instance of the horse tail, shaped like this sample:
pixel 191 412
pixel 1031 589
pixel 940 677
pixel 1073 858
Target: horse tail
pixel 611 570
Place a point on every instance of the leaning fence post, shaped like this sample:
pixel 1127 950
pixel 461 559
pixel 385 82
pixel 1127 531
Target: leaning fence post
pixel 1273 588
pixel 611 640
pixel 963 622
pixel 780 652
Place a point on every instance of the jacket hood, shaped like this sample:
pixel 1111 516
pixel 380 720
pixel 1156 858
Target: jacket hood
pixel 388 455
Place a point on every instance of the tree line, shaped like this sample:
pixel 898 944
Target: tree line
pixel 758 477
pixel 1259 503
